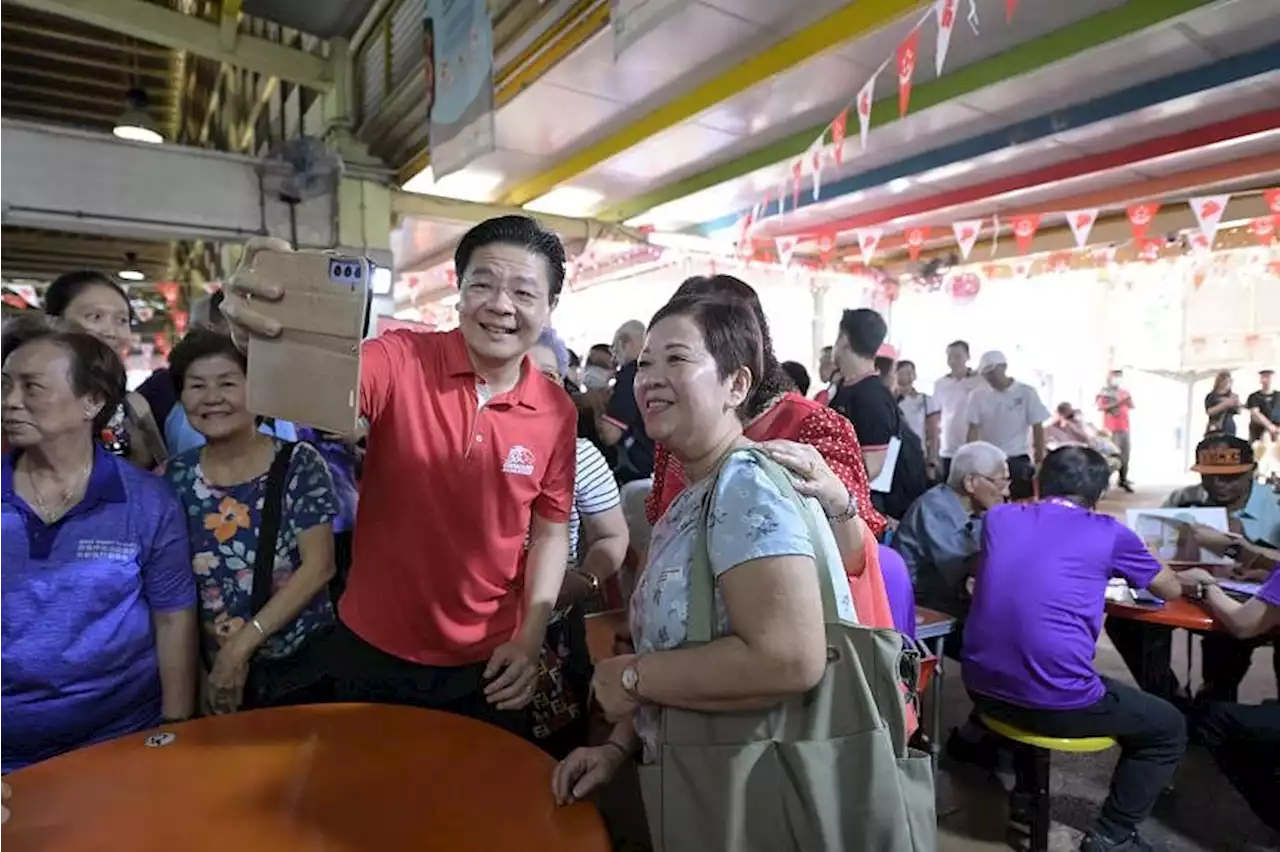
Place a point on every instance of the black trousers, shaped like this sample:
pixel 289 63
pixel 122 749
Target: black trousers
pixel 1245 741
pixel 1152 734
pixel 1147 650
pixel 362 673
pixel 1022 478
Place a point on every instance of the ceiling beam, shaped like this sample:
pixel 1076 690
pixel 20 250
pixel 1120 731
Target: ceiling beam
pixel 849 22
pixel 153 23
pixel 470 213
pixel 1026 58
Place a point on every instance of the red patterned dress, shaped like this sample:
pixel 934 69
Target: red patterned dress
pixel 792 418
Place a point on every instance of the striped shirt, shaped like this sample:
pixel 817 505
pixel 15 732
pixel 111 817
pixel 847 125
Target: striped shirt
pixel 594 491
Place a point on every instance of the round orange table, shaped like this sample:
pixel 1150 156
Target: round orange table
pixel 325 777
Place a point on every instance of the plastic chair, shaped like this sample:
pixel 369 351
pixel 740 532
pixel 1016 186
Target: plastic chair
pixel 1029 802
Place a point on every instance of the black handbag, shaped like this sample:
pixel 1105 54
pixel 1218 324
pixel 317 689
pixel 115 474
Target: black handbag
pixel 299 677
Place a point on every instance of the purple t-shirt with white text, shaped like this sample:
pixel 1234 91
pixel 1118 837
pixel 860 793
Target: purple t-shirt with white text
pixel 1038 599
pixel 1270 591
pixel 79 651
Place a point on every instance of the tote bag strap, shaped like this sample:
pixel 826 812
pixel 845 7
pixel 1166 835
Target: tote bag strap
pixel 269 528
pixel 702 606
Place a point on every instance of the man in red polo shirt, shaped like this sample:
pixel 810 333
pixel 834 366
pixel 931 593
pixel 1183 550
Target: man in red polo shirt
pixel 471 449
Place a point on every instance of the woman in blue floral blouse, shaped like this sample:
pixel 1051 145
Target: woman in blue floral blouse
pixel 268 656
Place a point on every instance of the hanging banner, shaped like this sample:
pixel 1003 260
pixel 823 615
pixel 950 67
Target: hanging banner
pixel 915 241
pixel 1024 230
pixel 946 11
pixel 631 20
pixel 868 242
pixel 865 94
pixel 908 52
pixel 457 39
pixel 1263 229
pixel 1140 216
pixel 837 135
pixel 785 246
pixel 1082 222
pixel 815 163
pixel 1209 210
pixel 966 231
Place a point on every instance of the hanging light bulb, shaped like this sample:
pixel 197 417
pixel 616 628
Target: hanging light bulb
pixel 130 271
pixel 134 124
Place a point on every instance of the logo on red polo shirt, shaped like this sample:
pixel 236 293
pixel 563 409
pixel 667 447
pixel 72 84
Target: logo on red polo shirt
pixel 519 461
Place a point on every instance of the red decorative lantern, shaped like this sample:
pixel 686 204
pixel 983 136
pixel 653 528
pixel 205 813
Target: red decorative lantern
pixel 965 287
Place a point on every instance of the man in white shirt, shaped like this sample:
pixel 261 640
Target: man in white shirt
pixel 1010 415
pixel 922 414
pixel 951 392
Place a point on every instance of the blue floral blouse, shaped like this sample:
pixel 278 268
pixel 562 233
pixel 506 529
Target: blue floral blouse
pixel 749 518
pixel 223 524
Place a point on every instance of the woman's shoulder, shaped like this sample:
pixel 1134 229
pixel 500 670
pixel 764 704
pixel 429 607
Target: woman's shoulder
pixel 743 474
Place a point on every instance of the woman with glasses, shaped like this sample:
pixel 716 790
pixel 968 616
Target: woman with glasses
pixel 94 304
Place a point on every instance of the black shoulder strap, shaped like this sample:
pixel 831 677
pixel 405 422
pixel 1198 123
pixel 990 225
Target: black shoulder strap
pixel 269 529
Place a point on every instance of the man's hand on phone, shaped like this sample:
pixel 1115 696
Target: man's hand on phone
pixel 241 289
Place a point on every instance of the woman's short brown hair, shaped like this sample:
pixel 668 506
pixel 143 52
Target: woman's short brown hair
pixel 96 369
pixel 731 334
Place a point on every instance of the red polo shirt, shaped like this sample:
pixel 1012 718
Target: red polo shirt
pixel 446 498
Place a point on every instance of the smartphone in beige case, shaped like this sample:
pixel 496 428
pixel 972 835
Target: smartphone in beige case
pixel 310 373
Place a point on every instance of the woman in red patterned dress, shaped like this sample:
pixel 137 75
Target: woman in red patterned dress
pixel 776 413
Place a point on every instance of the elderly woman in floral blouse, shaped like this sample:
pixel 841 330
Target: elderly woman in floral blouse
pixel 266 656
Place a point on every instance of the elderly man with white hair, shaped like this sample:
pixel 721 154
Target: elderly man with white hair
pixel 940 533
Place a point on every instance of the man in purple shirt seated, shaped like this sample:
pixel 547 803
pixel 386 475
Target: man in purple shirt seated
pixel 1029 641
pixel 1243 738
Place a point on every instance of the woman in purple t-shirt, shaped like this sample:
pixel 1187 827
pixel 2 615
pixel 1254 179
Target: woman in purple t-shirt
pixel 1029 641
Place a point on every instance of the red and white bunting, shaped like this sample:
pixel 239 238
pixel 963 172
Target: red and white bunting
pixel 837 135
pixel 826 245
pixel 1272 197
pixel 1201 243
pixel 868 242
pixel 946 12
pixel 1009 6
pixel 1104 255
pixel 1263 229
pixel 782 194
pixel 865 95
pixel 1140 216
pixel 1024 230
pixel 797 173
pixel 915 241
pixel 815 163
pixel 908 53
pixel 966 231
pixel 1209 210
pixel 1082 222
pixel 786 246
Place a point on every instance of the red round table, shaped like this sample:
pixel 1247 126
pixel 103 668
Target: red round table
pixel 1178 612
pixel 325 777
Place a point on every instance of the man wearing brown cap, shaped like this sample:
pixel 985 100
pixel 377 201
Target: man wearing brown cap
pixel 1226 467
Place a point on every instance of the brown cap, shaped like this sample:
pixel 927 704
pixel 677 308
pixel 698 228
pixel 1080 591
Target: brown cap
pixel 1223 455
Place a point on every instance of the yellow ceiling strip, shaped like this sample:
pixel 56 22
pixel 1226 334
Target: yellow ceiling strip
pixel 852 21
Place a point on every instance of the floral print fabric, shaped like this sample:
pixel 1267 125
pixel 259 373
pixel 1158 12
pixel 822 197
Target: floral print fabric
pixel 748 518
pixel 223 525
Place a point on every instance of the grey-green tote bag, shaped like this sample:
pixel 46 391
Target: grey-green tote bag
pixel 820 772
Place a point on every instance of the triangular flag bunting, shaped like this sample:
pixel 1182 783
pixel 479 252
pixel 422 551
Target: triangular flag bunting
pixel 1082 222
pixel 826 245
pixel 786 247
pixel 868 242
pixel 797 173
pixel 1201 243
pixel 782 194
pixel 1009 6
pixel 1263 229
pixel 1140 216
pixel 908 52
pixel 966 231
pixel 815 162
pixel 915 241
pixel 865 94
pixel 1209 210
pixel 1024 230
pixel 837 135
pixel 946 11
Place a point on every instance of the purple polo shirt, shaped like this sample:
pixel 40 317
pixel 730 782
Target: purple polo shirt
pixel 1038 598
pixel 79 652
pixel 897 586
pixel 1270 591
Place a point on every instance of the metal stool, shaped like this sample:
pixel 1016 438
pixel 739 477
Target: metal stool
pixel 1029 802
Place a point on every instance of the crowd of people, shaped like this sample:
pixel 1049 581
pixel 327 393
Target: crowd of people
pixel 168 552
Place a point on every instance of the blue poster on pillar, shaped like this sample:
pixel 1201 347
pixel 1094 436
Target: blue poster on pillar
pixel 457 38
